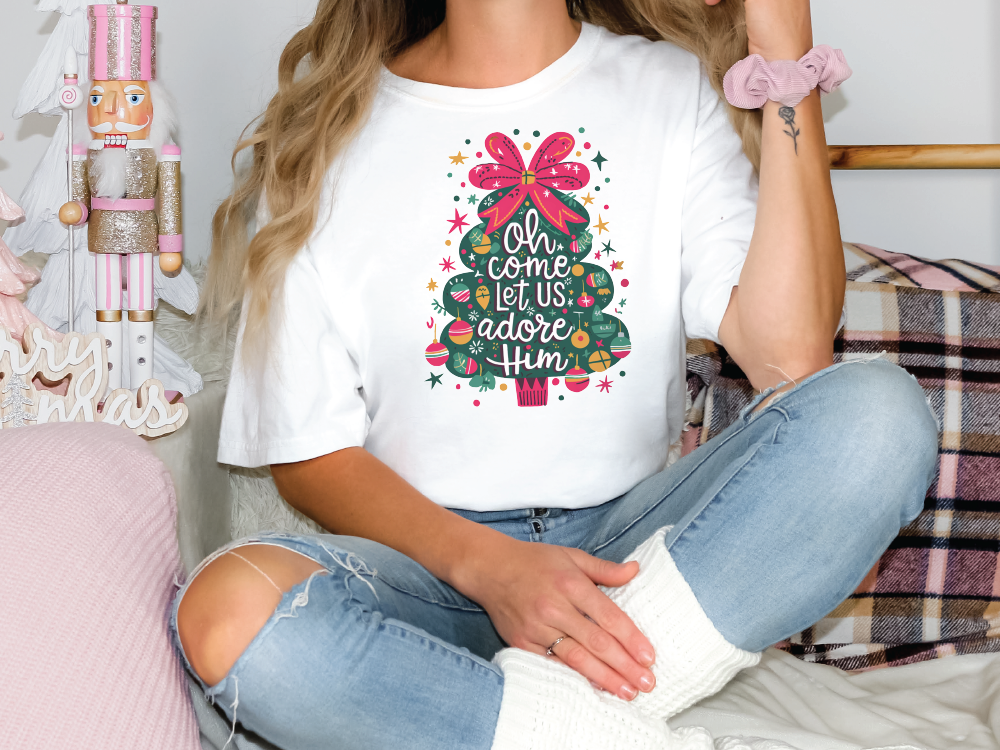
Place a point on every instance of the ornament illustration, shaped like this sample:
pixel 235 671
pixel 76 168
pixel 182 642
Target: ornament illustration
pixel 483 381
pixel 466 365
pixel 620 345
pixel 481 242
pixel 483 296
pixel 599 326
pixel 436 353
pixel 597 279
pixel 585 299
pixel 577 379
pixel 459 331
pixel 580 338
pixel 599 361
pixel 460 293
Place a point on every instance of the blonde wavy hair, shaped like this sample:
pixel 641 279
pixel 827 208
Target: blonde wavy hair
pixel 328 75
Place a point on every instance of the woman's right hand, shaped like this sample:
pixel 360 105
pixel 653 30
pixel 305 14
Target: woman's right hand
pixel 537 593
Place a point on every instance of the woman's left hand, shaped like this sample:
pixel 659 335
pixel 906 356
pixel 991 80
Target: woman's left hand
pixel 777 29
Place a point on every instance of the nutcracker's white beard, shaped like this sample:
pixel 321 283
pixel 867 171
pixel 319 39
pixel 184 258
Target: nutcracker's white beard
pixel 107 173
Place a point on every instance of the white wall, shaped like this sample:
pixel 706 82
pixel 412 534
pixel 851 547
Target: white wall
pixel 924 72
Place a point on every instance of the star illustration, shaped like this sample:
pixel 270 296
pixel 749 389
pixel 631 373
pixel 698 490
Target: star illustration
pixel 433 380
pixel 459 159
pixel 616 265
pixel 432 286
pixel 447 264
pixel 605 385
pixel 598 255
pixel 601 226
pixel 608 249
pixel 587 200
pixel 598 160
pixel 458 222
pixel 621 302
pixel 472 198
pixel 600 342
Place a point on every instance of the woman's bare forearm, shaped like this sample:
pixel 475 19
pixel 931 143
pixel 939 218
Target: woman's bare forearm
pixel 350 492
pixel 783 316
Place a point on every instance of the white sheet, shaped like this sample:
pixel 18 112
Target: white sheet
pixel 943 704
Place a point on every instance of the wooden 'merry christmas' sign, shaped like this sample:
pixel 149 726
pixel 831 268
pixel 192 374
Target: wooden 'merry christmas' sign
pixel 65 381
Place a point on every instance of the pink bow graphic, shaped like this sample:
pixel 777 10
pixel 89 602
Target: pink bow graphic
pixel 545 172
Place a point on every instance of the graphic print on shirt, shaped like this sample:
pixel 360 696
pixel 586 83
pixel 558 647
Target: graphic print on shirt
pixel 535 307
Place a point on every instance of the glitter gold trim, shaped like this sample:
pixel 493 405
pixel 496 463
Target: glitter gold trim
pixel 170 198
pixel 136 61
pixel 81 186
pixel 112 71
pixel 140 316
pixel 152 47
pixel 123 232
pixel 109 316
pixel 140 173
pixel 93 49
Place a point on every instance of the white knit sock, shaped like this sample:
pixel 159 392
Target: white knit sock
pixel 548 706
pixel 693 659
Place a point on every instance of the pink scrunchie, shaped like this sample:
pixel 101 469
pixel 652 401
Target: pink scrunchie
pixel 751 82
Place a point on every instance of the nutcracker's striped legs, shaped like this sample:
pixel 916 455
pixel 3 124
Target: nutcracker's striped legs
pixel 140 318
pixel 108 295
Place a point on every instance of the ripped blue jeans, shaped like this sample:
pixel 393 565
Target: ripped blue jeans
pixel 774 522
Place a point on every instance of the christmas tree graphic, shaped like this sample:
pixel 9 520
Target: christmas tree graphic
pixel 531 307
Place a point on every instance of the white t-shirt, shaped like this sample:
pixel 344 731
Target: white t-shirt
pixel 496 303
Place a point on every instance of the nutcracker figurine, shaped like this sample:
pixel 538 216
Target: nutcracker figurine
pixel 127 187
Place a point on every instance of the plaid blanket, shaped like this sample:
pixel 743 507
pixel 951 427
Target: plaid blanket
pixel 866 263
pixel 936 591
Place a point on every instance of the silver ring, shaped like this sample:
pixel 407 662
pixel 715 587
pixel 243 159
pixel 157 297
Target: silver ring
pixel 549 651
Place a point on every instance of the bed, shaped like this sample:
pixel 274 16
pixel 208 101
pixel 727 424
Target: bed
pixel 937 703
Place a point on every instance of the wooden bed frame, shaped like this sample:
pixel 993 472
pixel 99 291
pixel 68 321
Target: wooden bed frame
pixel 938 156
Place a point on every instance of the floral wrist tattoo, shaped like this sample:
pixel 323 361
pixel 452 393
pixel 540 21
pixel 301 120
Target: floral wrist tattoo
pixel 788 115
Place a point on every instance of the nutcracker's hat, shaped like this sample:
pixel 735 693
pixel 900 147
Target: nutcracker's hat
pixel 122 42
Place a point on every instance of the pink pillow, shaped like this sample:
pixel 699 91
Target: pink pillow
pixel 88 558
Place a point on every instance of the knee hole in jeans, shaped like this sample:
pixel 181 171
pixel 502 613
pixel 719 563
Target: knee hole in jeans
pixel 231 599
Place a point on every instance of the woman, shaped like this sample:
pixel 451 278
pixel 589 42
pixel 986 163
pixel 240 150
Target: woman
pixel 463 522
